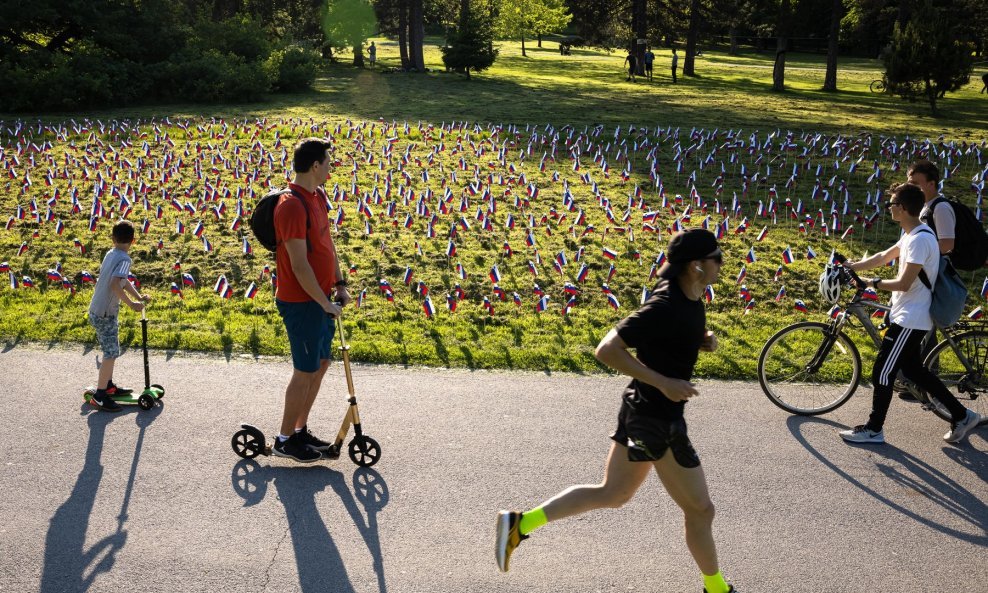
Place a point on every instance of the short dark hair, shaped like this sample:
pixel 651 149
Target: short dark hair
pixel 308 152
pixel 123 232
pixel 929 170
pixel 910 197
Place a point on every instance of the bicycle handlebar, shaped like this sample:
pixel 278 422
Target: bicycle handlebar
pixel 855 279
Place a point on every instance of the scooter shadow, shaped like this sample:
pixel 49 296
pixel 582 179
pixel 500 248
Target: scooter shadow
pixel 916 475
pixel 317 556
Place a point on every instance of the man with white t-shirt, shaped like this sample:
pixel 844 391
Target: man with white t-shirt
pixel 917 250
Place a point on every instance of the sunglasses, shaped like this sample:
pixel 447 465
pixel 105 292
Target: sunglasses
pixel 889 204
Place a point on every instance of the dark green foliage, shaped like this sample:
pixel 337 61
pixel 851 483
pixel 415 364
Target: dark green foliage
pixel 925 58
pixel 471 46
pixel 293 68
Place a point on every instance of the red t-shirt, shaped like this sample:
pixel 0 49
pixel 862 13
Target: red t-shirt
pixel 289 223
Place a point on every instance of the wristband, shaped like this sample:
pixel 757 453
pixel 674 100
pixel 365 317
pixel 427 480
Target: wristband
pixel 874 282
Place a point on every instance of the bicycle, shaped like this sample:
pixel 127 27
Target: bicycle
pixel 878 85
pixel 812 368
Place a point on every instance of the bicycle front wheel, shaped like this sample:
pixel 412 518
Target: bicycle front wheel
pixel 968 382
pixel 805 372
pixel 877 86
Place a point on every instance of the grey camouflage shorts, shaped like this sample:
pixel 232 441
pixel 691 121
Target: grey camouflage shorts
pixel 106 332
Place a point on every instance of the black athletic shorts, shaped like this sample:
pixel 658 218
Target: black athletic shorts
pixel 647 438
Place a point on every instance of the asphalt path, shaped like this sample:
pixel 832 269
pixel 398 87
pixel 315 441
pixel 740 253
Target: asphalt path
pixel 156 500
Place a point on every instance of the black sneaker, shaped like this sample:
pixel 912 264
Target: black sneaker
pixel 116 390
pixel 294 448
pixel 731 590
pixel 312 440
pixel 103 401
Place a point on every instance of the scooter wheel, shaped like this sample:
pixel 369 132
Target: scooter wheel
pixel 145 401
pixel 161 390
pixel 248 443
pixel 364 451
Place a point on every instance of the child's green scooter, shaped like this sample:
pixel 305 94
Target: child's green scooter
pixel 151 393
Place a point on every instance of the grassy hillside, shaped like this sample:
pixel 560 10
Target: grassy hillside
pixel 739 157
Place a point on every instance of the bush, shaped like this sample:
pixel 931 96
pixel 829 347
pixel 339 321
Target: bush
pixel 292 68
pixel 213 76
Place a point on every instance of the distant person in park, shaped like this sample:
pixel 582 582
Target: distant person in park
pixel 113 286
pixel 372 54
pixel 901 348
pixel 667 333
pixel 675 64
pixel 649 59
pixel 308 276
pixel 632 63
pixel 984 80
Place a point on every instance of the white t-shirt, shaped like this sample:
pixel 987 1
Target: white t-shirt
pixel 943 218
pixel 911 308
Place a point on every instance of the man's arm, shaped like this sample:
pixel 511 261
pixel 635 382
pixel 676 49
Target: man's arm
pixel 613 352
pixel 907 275
pixel 875 261
pixel 342 294
pixel 298 255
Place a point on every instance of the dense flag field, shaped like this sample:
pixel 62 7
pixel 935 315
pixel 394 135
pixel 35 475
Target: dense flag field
pixel 480 245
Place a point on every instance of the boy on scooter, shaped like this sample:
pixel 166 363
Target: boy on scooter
pixel 112 286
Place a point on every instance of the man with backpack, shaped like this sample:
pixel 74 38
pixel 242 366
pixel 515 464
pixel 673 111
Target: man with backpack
pixel 959 233
pixel 308 275
pixel 910 321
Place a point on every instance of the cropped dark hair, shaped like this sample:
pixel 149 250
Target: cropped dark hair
pixel 910 197
pixel 123 232
pixel 929 170
pixel 308 152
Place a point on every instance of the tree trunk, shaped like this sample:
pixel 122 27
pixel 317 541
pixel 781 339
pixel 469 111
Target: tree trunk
pixel 688 69
pixel 358 55
pixel 779 70
pixel 639 28
pixel 837 13
pixel 416 36
pixel 464 13
pixel 931 96
pixel 523 54
pixel 403 8
pixel 734 41
pixel 540 40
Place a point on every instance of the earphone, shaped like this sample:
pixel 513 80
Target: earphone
pixel 698 268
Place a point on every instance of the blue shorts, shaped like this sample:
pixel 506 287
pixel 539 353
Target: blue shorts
pixel 107 329
pixel 310 333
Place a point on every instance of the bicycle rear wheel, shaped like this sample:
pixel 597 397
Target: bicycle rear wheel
pixel 804 372
pixel 877 86
pixel 969 384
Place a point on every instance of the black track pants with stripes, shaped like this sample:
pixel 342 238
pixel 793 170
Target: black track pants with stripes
pixel 902 350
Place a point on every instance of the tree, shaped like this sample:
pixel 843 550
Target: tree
pixel 516 18
pixel 688 68
pixel 782 33
pixel 348 23
pixel 837 13
pixel 470 45
pixel 926 58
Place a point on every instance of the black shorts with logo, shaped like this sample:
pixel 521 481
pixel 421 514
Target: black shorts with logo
pixel 649 437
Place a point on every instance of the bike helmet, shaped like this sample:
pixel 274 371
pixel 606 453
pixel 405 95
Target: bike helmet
pixel 830 284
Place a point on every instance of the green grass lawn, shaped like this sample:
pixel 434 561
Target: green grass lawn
pixel 585 89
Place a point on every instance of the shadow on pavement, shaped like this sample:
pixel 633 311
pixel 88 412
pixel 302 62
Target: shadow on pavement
pixel 918 477
pixel 317 556
pixel 68 564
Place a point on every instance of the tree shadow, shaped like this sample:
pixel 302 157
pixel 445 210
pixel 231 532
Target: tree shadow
pixel 919 477
pixel 68 564
pixel 317 556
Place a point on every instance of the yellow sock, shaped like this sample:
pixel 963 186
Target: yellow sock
pixel 715 584
pixel 532 520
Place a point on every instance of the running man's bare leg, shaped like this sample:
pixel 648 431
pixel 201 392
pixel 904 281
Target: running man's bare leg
pixel 622 478
pixel 688 488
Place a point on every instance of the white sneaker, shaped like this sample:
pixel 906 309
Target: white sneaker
pixel 960 429
pixel 861 434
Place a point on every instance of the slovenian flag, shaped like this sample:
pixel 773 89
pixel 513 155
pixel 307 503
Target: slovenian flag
pixel 87 277
pixel 188 280
pixel 810 254
pixel 176 290
pixel 799 305
pixel 984 289
pixel 787 255
pixel 542 304
pixel 976 314
pixel 407 278
pixel 584 272
pixel 247 249
pixel 428 308
pixel 780 294
pixel 762 234
pixel 741 275
pixel 613 301
pixel 4 267
pixel 609 253
pixel 751 256
pixel 251 291
pixel 708 293
pixel 495 275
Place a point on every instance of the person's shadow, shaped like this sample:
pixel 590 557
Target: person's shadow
pixel 918 476
pixel 317 557
pixel 68 564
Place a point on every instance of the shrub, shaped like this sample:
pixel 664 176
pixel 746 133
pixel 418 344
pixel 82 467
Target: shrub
pixel 292 68
pixel 213 76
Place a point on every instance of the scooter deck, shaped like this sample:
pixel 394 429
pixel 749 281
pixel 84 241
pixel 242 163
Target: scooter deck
pixel 155 391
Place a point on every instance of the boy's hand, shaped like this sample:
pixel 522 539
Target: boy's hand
pixel 136 305
pixel 709 342
pixel 146 298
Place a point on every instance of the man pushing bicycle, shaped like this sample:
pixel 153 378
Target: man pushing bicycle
pixel 901 349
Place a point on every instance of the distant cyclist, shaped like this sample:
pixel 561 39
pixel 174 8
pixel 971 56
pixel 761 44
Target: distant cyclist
pixel 910 320
pixel 667 333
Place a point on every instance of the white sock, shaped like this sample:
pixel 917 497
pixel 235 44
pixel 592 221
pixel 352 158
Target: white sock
pixel 282 438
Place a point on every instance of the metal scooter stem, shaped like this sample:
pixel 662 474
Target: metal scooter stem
pixel 144 346
pixel 345 348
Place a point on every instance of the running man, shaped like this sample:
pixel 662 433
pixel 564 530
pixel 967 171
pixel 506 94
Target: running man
pixel 667 332
pixel 918 252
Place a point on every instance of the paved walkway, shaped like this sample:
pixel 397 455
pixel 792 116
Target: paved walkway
pixel 157 501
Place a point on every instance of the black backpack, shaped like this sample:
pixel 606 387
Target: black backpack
pixel 262 219
pixel 970 241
